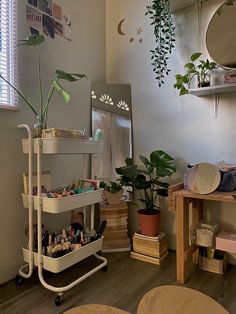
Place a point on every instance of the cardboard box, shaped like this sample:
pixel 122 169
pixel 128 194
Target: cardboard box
pixel 150 246
pixel 217 266
pixel 149 259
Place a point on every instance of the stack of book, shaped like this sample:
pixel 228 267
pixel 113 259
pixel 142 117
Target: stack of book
pixel 150 249
pixel 116 232
pixel 230 78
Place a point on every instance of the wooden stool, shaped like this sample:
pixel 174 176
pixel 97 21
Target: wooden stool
pixel 95 309
pixel 176 299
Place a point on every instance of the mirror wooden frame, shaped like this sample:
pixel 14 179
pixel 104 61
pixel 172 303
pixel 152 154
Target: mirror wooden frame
pixel 211 51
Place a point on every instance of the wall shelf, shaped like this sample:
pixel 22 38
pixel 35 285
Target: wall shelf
pixel 213 90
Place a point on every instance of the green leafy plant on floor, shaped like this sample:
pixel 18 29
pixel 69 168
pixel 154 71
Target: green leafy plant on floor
pixel 164 32
pixel 34 41
pixel 146 181
pixel 201 70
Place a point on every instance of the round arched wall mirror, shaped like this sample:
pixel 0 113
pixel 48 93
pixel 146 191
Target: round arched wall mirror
pixel 220 35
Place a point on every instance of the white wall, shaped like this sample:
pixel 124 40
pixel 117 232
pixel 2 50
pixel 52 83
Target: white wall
pixel 183 126
pixel 84 54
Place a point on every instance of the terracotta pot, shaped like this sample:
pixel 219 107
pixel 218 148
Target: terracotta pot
pixel 149 224
pixel 113 198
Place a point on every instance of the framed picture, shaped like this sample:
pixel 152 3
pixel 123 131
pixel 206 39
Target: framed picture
pixel 33 2
pixel 59 29
pixel 33 18
pixel 48 26
pixel 56 10
pixel 45 6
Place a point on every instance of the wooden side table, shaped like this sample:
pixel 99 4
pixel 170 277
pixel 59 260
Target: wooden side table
pixel 179 201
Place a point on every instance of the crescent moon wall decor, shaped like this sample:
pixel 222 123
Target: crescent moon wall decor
pixel 119 27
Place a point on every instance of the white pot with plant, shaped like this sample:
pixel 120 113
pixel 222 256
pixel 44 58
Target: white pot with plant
pixel 200 70
pixel 113 192
pixel 41 113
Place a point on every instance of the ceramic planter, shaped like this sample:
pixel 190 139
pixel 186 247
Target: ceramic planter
pixel 113 198
pixel 149 224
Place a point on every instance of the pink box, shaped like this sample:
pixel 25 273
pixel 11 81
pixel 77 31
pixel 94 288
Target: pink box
pixel 226 241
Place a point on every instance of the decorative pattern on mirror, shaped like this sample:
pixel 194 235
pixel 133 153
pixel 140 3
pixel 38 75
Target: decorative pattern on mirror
pixel 112 116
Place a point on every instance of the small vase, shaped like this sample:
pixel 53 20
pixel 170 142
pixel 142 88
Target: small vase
pixel 204 82
pixel 39 126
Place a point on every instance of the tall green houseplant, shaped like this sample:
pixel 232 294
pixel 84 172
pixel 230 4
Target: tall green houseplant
pixel 146 179
pixel 41 112
pixel 164 32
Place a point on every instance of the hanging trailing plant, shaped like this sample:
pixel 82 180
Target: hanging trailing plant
pixel 164 31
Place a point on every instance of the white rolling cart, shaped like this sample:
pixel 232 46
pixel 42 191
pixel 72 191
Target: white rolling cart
pixel 39 147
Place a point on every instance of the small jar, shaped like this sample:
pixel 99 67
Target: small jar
pixel 217 77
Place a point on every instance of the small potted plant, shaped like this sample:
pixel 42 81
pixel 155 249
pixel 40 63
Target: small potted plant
pixel 200 70
pixel 113 191
pixel 146 181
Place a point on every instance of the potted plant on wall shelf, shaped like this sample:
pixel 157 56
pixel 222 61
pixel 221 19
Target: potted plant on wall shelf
pixel 201 70
pixel 41 114
pixel 146 181
pixel 113 191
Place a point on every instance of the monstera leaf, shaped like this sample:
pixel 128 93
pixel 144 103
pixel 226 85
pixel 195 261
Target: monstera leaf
pixel 71 77
pixel 33 40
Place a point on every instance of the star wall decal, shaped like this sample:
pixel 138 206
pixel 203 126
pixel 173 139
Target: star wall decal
pixel 140 41
pixel 131 39
pixel 139 30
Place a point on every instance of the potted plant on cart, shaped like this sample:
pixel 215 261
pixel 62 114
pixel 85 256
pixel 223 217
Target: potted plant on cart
pixel 146 181
pixel 113 191
pixel 41 113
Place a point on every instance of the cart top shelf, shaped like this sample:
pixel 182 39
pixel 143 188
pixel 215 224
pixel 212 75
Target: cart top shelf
pixel 64 146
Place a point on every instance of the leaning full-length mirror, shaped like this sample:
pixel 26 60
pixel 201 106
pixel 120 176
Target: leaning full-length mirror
pixel 112 122
pixel 220 36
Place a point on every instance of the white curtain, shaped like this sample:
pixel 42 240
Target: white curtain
pixel 116 135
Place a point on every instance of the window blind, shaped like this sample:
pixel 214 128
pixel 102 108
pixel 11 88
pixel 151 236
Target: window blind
pixel 8 56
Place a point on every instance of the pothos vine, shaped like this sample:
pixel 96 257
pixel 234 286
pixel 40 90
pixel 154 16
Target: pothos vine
pixel 164 31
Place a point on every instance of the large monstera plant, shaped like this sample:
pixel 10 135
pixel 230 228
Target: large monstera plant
pixel 164 32
pixel 41 112
pixel 147 179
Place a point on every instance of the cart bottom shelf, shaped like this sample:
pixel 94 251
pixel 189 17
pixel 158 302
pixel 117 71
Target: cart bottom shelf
pixel 56 265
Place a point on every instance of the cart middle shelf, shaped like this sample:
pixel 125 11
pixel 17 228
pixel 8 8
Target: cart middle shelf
pixel 60 205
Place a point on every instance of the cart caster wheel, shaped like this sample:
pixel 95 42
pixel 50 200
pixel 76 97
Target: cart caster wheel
pixel 58 300
pixel 18 280
pixel 105 268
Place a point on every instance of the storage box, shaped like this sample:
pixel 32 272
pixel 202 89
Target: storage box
pixel 56 265
pixel 149 259
pixel 114 211
pixel 150 246
pixel 226 241
pixel 63 133
pixel 213 265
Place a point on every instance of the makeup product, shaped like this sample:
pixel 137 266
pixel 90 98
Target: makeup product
pixel 63 234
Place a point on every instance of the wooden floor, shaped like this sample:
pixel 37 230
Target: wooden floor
pixel 122 285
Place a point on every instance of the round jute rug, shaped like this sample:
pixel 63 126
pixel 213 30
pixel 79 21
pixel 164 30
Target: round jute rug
pixel 95 309
pixel 178 300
